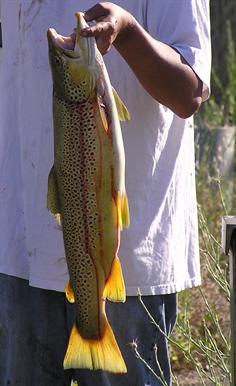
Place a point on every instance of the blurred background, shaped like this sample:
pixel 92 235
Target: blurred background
pixel 0 35
pixel 201 344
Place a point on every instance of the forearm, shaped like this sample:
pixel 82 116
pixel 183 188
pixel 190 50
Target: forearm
pixel 160 69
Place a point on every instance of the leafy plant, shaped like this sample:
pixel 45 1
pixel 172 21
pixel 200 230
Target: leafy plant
pixel 220 109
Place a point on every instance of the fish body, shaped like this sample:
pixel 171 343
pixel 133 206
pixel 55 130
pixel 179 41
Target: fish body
pixel 86 193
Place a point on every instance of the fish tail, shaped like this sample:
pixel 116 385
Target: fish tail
pixel 103 354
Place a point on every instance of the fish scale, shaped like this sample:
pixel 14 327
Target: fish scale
pixel 86 193
pixel 79 202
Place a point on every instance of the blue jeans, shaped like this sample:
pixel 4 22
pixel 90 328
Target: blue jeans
pixel 35 325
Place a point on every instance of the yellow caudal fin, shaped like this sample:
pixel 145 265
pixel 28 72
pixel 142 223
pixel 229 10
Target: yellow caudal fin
pixel 103 354
pixel 123 112
pixel 115 288
pixel 69 293
pixel 122 210
pixel 52 196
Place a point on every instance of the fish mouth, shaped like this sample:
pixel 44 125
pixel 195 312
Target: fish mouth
pixel 66 43
pixel 74 46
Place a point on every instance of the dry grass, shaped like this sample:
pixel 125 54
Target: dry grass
pixel 193 303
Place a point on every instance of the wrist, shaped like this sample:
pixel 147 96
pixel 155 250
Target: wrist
pixel 128 25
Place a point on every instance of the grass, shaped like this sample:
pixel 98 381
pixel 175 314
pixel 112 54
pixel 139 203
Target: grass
pixel 206 333
pixel 201 342
pixel 204 336
pixel 200 345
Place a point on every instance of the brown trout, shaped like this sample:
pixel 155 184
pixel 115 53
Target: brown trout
pixel 86 193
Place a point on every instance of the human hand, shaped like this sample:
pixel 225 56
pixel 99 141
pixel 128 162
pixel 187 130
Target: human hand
pixel 110 20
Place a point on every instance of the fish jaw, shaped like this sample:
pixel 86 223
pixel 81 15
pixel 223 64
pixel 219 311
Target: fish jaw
pixel 81 44
pixel 73 64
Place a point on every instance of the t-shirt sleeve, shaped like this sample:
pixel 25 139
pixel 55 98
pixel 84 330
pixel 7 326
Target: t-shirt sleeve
pixel 185 26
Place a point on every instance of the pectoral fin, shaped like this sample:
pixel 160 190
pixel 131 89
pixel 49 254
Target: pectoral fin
pixel 53 204
pixel 123 112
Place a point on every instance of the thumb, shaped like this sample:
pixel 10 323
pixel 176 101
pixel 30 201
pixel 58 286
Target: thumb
pixel 95 12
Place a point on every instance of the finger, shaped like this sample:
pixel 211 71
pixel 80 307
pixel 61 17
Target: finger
pixel 106 28
pixel 95 12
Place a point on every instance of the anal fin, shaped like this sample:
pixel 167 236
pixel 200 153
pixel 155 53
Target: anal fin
pixel 115 288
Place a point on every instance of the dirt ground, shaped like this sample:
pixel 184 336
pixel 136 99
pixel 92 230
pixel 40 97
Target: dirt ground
pixel 217 300
pixel 187 378
pixel 191 378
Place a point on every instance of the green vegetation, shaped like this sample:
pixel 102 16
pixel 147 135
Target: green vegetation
pixel 203 329
pixel 200 345
pixel 220 109
pixel 201 341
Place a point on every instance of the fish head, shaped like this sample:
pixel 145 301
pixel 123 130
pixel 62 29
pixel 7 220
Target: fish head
pixel 73 62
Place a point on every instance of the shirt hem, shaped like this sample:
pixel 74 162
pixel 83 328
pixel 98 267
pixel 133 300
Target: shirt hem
pixel 16 273
pixel 52 285
pixel 59 286
pixel 163 289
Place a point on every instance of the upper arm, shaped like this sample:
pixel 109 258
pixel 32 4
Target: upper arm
pixel 185 26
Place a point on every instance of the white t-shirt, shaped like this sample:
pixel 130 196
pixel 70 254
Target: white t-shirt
pixel 159 252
